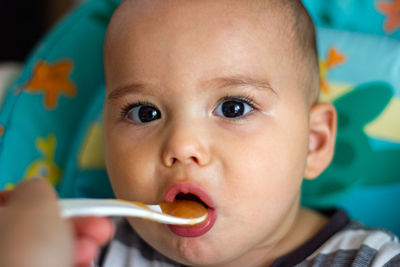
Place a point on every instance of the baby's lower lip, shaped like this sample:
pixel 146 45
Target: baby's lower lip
pixel 198 229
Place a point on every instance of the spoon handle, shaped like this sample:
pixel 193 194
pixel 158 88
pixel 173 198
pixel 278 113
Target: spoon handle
pixel 81 207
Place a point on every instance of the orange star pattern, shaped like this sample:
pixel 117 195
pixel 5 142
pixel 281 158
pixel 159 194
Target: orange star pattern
pixel 333 59
pixel 392 12
pixel 52 80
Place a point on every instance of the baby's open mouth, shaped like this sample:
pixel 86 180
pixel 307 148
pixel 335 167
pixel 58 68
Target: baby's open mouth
pixel 190 197
pixel 191 194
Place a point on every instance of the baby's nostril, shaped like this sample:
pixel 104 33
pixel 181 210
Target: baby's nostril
pixel 195 160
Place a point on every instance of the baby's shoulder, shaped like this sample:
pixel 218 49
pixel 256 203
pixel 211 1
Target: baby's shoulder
pixel 358 245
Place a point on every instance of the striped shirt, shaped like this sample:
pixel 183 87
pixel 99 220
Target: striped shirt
pixel 340 242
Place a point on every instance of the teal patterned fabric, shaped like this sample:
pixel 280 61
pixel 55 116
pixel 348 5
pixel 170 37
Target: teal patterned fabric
pixel 50 122
pixel 359 76
pixel 51 117
pixel 360 37
pixel 378 17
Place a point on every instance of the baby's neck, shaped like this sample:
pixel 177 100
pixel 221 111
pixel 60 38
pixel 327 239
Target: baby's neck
pixel 307 224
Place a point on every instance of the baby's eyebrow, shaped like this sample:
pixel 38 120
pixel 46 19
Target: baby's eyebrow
pixel 220 82
pixel 121 91
pixel 238 81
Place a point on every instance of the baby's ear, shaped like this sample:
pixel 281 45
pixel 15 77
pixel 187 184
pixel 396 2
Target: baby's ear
pixel 323 125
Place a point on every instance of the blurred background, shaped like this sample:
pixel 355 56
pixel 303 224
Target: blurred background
pixel 24 22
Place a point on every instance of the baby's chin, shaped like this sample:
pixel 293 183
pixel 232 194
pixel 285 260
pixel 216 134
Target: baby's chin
pixel 191 251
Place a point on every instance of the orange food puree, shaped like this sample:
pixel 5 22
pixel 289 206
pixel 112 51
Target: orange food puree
pixel 184 208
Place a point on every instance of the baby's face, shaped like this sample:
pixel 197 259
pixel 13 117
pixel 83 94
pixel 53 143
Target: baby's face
pixel 204 99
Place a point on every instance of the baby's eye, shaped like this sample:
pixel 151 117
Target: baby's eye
pixel 142 113
pixel 234 107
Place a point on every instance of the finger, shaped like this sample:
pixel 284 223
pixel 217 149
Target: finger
pixel 85 251
pixel 99 229
pixel 92 233
pixel 4 197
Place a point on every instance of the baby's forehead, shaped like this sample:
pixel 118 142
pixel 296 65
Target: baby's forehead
pixel 257 11
pixel 268 17
pixel 264 22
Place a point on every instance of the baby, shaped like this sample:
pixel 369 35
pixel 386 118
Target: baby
pixel 216 101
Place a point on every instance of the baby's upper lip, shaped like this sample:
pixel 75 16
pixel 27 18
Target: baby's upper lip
pixel 188 188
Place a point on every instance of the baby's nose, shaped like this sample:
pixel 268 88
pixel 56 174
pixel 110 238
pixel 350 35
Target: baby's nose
pixel 185 144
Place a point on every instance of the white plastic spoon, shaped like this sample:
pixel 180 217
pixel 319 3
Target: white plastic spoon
pixel 112 207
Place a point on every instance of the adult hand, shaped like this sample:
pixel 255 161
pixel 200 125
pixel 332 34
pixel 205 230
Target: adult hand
pixel 33 234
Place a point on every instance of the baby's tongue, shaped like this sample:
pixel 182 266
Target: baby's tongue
pixel 184 208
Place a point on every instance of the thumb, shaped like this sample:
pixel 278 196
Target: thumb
pixel 35 193
pixel 30 225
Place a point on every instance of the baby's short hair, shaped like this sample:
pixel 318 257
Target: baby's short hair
pixel 300 32
pixel 305 35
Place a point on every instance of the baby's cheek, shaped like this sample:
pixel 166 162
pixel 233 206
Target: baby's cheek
pixel 135 180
